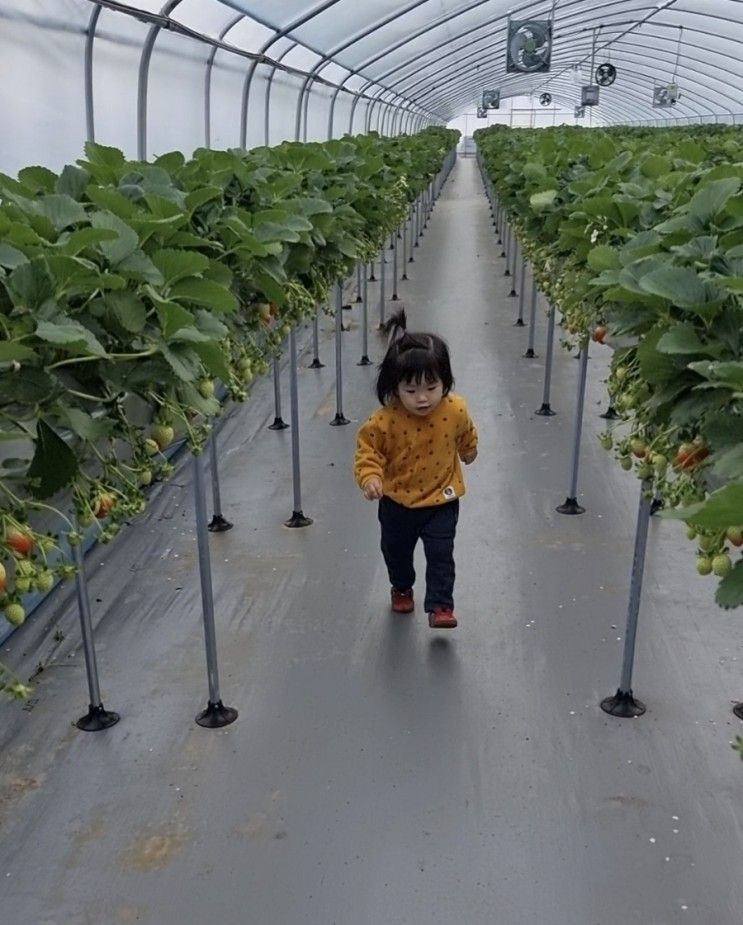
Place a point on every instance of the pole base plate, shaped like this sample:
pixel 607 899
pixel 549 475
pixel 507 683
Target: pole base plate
pixel 297 520
pixel 623 704
pixel 545 411
pixel 218 524
pixel 339 420
pixel 610 414
pixel 97 719
pixel 364 361
pixel 519 323
pixel 530 355
pixel 738 710
pixel 278 424
pixel 316 364
pixel 570 506
pixel 216 715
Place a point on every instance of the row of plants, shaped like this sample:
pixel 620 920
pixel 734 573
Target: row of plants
pixel 130 290
pixel 636 236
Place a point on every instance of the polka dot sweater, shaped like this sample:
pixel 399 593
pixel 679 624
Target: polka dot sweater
pixel 417 458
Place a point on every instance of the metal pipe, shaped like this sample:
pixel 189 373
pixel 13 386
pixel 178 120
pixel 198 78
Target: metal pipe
pixel 530 355
pixel 546 410
pixel 215 714
pixel 571 505
pixel 298 518
pixel 365 361
pixel 339 418
pixel 623 703
pixel 278 422
pixel 218 523
pixel 97 717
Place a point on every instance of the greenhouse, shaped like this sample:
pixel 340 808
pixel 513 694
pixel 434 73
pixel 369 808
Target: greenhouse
pixel 297 300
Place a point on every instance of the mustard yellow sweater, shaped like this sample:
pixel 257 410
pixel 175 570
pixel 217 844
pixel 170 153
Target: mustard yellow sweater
pixel 417 458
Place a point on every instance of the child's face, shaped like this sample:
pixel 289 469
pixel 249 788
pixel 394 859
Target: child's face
pixel 421 398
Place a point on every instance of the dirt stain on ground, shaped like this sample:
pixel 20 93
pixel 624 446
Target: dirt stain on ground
pixel 155 851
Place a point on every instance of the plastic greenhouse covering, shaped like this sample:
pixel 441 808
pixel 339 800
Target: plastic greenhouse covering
pixel 210 211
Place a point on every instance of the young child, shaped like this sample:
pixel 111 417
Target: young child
pixel 407 458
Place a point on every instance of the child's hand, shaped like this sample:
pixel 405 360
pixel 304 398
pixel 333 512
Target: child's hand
pixel 373 489
pixel 468 458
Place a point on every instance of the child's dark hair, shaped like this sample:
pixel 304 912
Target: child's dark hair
pixel 412 357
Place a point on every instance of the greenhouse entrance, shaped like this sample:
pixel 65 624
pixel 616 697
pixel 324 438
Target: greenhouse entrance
pixel 379 771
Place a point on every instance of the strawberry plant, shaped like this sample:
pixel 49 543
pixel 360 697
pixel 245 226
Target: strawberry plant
pixel 637 236
pixel 129 290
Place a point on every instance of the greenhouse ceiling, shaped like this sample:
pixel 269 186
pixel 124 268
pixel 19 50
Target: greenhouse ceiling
pixel 148 74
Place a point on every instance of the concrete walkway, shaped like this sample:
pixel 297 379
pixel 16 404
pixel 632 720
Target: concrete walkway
pixel 380 773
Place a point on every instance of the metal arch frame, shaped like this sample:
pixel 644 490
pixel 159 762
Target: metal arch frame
pixel 458 62
pixel 449 38
pixel 208 80
pixel 89 40
pixel 328 57
pixel 267 100
pixel 280 34
pixel 699 82
pixel 143 79
pixel 632 93
pixel 467 35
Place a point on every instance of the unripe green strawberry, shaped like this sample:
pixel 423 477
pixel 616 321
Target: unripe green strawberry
pixel 206 388
pixel 722 564
pixel 15 614
pixel 163 435
pixel 704 565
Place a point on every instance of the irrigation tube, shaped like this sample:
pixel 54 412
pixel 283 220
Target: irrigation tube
pixel 623 703
pixel 97 717
pixel 571 505
pixel 218 523
pixel 216 713
pixel 339 418
pixel 298 518
pixel 546 410
pixel 278 422
pixel 530 355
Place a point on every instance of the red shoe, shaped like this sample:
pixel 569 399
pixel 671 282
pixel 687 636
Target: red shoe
pixel 442 618
pixel 402 601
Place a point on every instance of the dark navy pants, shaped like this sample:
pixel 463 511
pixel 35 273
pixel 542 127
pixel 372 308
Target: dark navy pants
pixel 402 527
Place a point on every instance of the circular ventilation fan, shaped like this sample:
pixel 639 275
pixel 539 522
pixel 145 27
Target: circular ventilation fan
pixel 545 99
pixel 606 74
pixel 529 46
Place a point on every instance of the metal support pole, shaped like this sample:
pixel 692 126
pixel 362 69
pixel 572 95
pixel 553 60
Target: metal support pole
pixel 278 422
pixel 97 717
pixel 546 410
pixel 365 361
pixel 611 413
pixel 395 296
pixel 411 258
pixel 359 273
pixel 216 713
pixel 218 523
pixel 339 418
pixel 507 249
pixel 519 323
pixel 372 277
pixel 316 364
pixel 381 289
pixel 298 518
pixel 405 249
pixel 571 505
pixel 530 355
pixel 418 217
pixel 516 248
pixel 623 703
